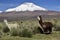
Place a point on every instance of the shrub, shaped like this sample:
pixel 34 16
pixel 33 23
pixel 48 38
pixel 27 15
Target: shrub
pixel 22 32
pixel 0 34
pixel 57 28
pixel 35 30
pixel 25 33
pixel 5 29
pixel 56 24
pixel 14 32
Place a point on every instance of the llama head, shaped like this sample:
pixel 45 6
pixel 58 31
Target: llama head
pixel 5 20
pixel 39 17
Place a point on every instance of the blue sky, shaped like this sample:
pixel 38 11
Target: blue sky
pixel 48 4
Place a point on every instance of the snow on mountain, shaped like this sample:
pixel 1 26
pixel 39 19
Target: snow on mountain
pixel 10 10
pixel 26 7
pixel 1 11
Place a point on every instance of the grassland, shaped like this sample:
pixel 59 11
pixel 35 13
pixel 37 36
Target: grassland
pixel 31 23
pixel 54 36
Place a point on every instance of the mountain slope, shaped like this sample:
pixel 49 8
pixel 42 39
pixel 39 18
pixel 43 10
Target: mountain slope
pixel 26 7
pixel 29 15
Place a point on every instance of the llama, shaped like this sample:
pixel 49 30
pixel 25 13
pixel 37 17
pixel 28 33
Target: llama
pixel 10 25
pixel 45 27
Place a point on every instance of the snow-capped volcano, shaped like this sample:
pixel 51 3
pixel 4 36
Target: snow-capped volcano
pixel 26 7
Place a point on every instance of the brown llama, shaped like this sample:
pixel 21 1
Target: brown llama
pixel 45 27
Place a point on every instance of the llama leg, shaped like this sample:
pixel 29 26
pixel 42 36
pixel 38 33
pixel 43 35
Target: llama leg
pixel 50 29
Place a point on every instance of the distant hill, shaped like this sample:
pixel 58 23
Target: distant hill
pixel 24 15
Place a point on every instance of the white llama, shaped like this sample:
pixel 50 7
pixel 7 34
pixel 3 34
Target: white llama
pixel 10 25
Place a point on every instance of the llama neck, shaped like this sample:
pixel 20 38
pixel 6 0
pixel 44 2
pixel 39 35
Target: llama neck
pixel 41 22
pixel 6 23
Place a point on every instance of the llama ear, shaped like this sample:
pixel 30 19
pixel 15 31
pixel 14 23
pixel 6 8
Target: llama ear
pixel 38 18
